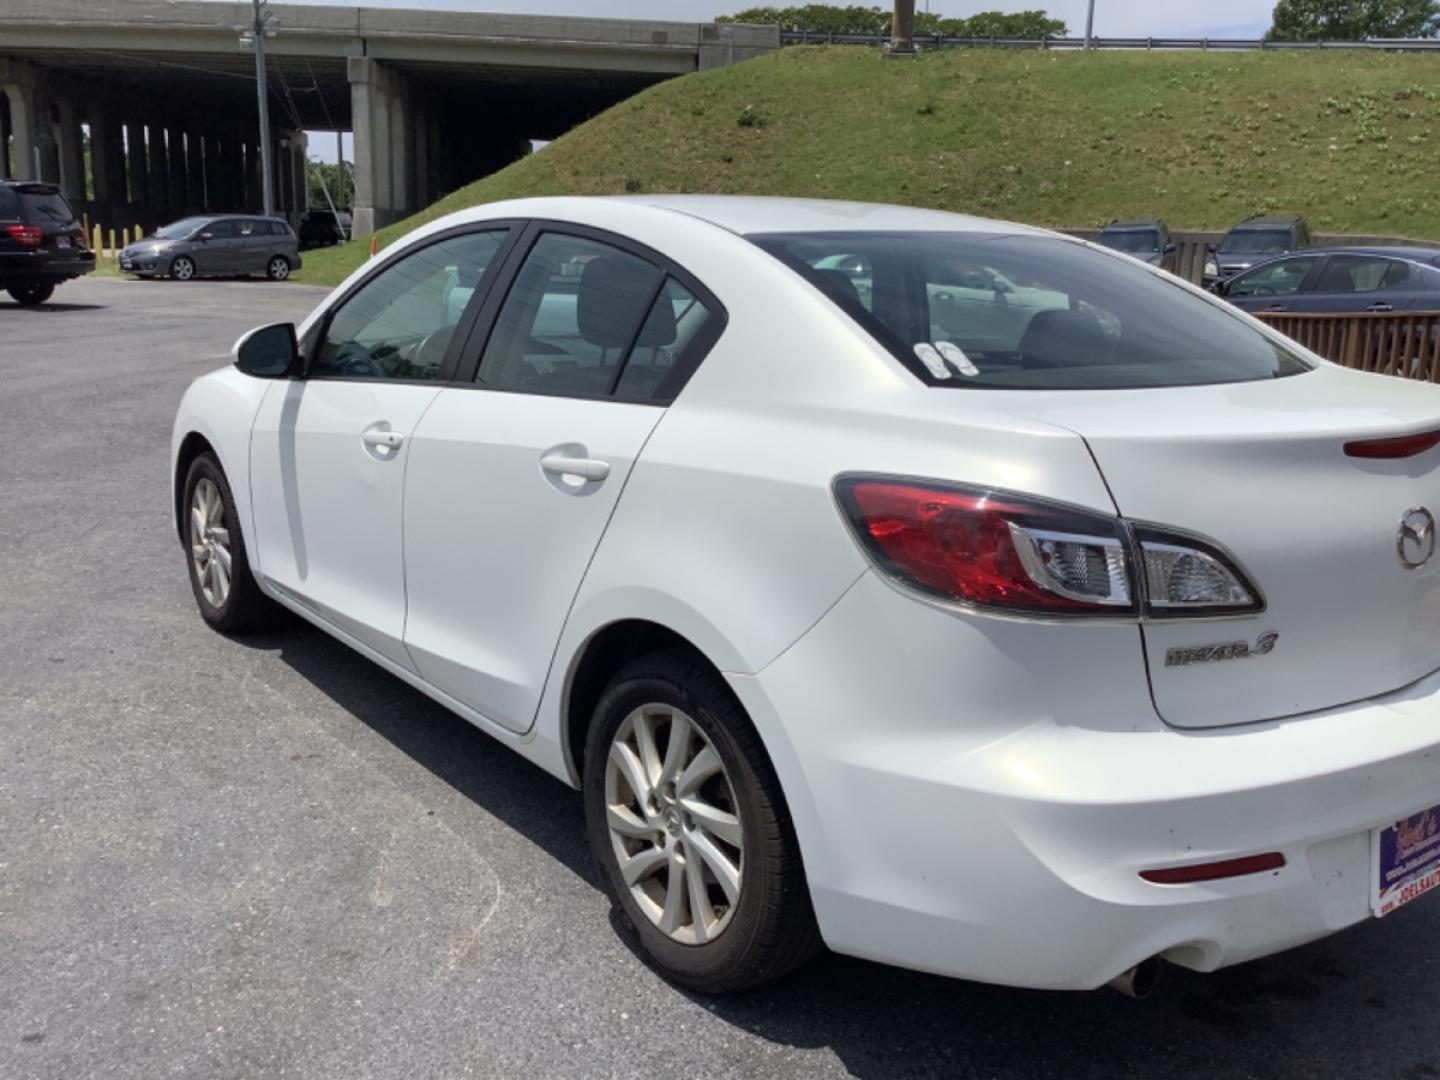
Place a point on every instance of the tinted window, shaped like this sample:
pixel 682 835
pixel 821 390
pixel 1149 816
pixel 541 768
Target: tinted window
pixel 570 319
pixel 246 227
pixel 1277 279
pixel 398 325
pixel 674 331
pixel 9 205
pixel 1034 312
pixel 221 230
pixel 179 230
pixel 1257 242
pixel 47 209
pixel 1360 274
pixel 1139 241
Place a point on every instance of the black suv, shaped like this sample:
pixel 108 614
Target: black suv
pixel 42 243
pixel 322 228
pixel 1254 241
pixel 1147 240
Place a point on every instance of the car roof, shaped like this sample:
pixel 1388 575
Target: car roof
pixel 1427 255
pixel 1268 222
pixel 752 214
pixel 1141 223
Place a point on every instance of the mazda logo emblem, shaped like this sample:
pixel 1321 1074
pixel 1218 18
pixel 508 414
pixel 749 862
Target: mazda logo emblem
pixel 1415 542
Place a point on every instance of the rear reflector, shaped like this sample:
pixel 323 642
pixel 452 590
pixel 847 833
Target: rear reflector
pixel 1401 447
pixel 1215 871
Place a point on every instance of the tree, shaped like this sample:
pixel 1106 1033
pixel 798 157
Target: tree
pixel 853 19
pixel 322 176
pixel 1354 20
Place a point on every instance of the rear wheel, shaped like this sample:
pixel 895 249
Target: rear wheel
pixel 31 293
pixel 278 268
pixel 686 818
pixel 225 590
pixel 182 268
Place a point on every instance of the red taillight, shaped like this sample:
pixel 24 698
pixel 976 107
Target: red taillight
pixel 1215 871
pixel 1403 446
pixel 991 549
pixel 25 235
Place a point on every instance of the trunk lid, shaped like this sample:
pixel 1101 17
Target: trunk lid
pixel 1260 468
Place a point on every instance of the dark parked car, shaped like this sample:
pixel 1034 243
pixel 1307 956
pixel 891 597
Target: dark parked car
pixel 1341 279
pixel 1148 240
pixel 42 243
pixel 322 228
pixel 215 246
pixel 1255 241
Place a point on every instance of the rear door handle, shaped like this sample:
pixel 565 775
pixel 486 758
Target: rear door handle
pixel 1278 307
pixel 586 468
pixel 383 440
pixel 1380 307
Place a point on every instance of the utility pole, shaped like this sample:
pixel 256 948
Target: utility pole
pixel 264 24
pixel 902 30
pixel 1090 27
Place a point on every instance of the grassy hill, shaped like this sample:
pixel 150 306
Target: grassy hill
pixel 1062 139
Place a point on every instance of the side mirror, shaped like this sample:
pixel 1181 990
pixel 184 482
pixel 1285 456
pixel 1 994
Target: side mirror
pixel 270 352
pixel 1222 288
pixel 1210 249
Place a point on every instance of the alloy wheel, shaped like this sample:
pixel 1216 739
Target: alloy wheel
pixel 674 824
pixel 182 269
pixel 210 542
pixel 279 269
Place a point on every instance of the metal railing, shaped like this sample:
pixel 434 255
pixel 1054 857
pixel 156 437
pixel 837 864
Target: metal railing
pixel 939 41
pixel 1403 343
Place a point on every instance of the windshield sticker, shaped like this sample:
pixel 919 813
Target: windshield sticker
pixel 927 355
pixel 953 353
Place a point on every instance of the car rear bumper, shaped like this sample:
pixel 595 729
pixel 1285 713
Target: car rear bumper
pixel 45 265
pixel 946 831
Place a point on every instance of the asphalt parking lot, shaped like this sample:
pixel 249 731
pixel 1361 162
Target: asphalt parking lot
pixel 267 858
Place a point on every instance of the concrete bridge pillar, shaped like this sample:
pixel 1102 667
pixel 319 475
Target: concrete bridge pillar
pixel 214 170
pixel 136 166
pixel 179 185
pixel 384 191
pixel 106 177
pixel 25 161
pixel 159 166
pixel 71 152
pixel 194 169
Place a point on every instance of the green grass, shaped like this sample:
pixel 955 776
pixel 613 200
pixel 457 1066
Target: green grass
pixel 1062 139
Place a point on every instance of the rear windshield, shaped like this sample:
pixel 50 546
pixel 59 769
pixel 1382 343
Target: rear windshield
pixel 46 209
pixel 1029 312
pixel 1132 241
pixel 1257 242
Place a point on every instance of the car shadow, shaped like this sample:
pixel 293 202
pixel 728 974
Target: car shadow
pixel 1362 1002
pixel 53 306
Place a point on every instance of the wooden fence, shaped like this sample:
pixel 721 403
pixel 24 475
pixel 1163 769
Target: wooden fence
pixel 1403 343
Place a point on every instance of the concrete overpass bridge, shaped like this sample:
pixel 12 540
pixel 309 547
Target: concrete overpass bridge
pixel 159 95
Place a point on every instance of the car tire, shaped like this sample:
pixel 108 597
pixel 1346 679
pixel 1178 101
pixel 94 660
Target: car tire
pixel 229 598
pixel 182 268
pixel 31 293
pixel 764 927
pixel 278 268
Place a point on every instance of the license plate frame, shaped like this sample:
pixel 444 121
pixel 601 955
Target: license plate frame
pixel 1405 861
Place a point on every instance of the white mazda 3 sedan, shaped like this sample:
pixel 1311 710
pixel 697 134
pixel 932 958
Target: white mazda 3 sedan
pixel 950 593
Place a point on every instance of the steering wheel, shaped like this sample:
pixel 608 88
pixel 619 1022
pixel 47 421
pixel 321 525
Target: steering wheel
pixel 354 360
pixel 1264 290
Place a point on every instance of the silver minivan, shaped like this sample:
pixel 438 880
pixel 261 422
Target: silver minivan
pixel 228 245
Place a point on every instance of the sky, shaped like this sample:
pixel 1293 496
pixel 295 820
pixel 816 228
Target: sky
pixel 1113 18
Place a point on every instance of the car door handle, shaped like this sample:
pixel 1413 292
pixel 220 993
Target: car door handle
pixel 586 468
pixel 383 440
pixel 1380 307
pixel 1278 307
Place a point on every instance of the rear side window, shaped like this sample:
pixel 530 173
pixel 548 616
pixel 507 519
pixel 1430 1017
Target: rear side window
pixel 1031 312
pixel 1361 274
pixel 9 205
pixel 586 319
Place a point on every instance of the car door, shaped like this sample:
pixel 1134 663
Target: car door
pixel 214 250
pixel 513 477
pixel 252 243
pixel 1361 282
pixel 1275 286
pixel 329 450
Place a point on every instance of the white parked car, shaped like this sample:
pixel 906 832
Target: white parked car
pixel 952 593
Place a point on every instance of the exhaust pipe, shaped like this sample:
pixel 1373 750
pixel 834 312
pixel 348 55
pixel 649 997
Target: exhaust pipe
pixel 1140 981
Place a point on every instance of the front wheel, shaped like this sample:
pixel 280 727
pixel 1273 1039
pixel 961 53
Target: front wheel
pixel 31 293
pixel 183 268
pixel 686 818
pixel 220 577
pixel 278 268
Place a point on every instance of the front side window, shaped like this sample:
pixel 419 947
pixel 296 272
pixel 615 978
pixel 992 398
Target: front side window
pixel 398 325
pixel 219 230
pixel 179 230
pixel 1277 279
pixel 1033 312
pixel 245 227
pixel 586 319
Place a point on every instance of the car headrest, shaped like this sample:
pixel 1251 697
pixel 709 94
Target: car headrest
pixel 615 291
pixel 836 284
pixel 1064 336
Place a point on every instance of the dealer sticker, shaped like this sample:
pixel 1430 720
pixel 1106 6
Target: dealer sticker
pixel 1407 861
